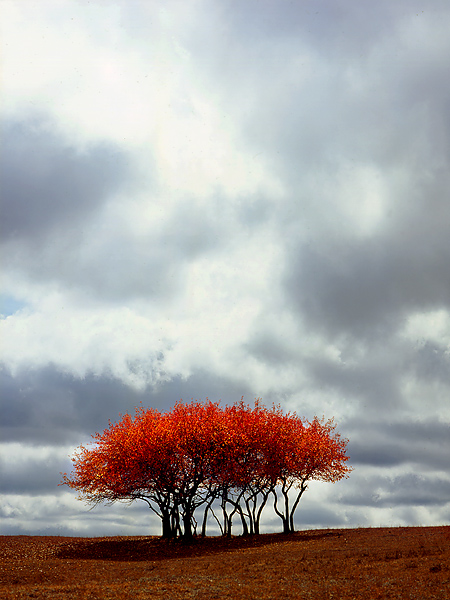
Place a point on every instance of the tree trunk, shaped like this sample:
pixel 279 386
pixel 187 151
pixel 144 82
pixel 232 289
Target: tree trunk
pixel 303 487
pixel 260 509
pixel 284 517
pixel 205 518
pixel 229 523
pixel 187 526
pixel 167 531
pixel 244 522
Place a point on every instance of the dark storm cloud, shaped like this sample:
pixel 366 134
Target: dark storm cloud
pixel 366 288
pixel 341 24
pixel 337 80
pixel 375 380
pixel 46 406
pixel 431 362
pixel 425 444
pixel 33 475
pixel 388 113
pixel 47 183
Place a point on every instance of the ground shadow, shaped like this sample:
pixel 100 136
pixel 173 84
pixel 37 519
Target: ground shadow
pixel 154 548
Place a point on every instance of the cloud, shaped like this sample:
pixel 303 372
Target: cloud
pixel 405 490
pixel 205 201
pixel 48 184
pixel 32 470
pixel 368 287
pixel 420 443
pixel 64 515
pixel 9 305
pixel 432 362
pixel 47 406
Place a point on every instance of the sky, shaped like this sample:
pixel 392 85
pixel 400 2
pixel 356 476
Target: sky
pixel 217 199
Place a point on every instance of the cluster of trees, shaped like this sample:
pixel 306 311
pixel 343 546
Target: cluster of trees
pixel 228 460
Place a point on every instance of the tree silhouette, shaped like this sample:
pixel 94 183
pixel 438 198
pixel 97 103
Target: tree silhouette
pixel 204 455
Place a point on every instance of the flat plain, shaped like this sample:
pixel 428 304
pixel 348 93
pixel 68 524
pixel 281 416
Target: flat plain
pixel 371 563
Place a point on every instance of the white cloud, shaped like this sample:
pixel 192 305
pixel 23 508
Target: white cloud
pixel 203 326
pixel 429 326
pixel 145 96
pixel 84 340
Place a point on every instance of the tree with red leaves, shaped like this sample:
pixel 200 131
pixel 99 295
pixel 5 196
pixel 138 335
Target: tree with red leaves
pixel 310 451
pixel 200 454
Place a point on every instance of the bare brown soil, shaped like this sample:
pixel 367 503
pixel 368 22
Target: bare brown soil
pixel 402 563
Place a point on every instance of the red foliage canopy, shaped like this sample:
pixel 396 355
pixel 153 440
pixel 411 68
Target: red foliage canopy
pixel 201 453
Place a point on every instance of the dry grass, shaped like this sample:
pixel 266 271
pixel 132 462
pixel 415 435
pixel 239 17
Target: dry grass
pixel 403 563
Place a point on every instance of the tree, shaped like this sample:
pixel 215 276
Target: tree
pixel 311 451
pixel 200 454
pixel 254 461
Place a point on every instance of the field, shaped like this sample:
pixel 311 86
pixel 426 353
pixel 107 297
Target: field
pixel 402 563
